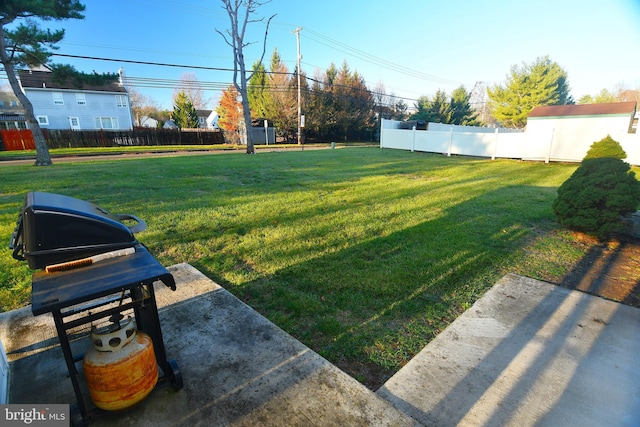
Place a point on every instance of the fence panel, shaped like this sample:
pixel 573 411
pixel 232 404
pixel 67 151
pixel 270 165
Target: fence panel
pixel 545 145
pixel 136 137
pixel 15 139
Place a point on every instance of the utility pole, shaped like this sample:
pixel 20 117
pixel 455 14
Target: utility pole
pixel 297 33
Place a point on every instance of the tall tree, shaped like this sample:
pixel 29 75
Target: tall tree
pixel 353 103
pixel 542 82
pixel 258 86
pixel 455 110
pixel 435 110
pixel 241 13
pixel 229 113
pixel 280 98
pixel 461 111
pixel 603 97
pixel 28 45
pixel 184 113
pixel 191 86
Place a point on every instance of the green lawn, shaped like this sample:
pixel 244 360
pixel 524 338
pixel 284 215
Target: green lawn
pixel 363 254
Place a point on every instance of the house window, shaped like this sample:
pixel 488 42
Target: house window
pixel 81 99
pixel 107 122
pixel 74 123
pixel 57 98
pixel 43 120
pixel 121 101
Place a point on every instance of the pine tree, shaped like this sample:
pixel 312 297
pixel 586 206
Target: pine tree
pixel 258 85
pixel 25 43
pixel 461 111
pixel 543 82
pixel 184 113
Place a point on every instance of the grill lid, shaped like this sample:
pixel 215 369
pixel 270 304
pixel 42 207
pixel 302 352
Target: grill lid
pixel 53 228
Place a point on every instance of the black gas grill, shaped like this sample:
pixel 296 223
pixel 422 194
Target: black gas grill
pixel 55 229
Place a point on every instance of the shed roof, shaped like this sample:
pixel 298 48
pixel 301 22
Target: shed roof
pixel 613 108
pixel 44 80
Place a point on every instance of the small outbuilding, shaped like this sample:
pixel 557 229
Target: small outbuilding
pixel 595 120
pixel 571 129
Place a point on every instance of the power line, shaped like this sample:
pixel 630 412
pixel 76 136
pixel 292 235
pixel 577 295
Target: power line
pixel 167 83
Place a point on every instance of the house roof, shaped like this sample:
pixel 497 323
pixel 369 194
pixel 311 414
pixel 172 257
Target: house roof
pixel 613 108
pixel 43 80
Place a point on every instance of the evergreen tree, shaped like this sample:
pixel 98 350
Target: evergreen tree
pixel 461 111
pixel 353 103
pixel 455 110
pixel 184 113
pixel 600 193
pixel 543 82
pixel 280 100
pixel 258 85
pixel 26 44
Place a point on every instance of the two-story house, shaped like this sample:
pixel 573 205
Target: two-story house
pixel 66 106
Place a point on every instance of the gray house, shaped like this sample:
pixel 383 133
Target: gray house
pixel 68 106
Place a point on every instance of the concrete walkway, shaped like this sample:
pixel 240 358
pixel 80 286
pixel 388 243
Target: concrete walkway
pixel 527 353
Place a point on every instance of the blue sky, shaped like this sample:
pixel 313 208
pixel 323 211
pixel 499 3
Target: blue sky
pixel 413 47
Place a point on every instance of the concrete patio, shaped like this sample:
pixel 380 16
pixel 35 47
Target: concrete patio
pixel 527 353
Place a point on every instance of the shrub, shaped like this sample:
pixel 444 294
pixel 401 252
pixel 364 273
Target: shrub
pixel 606 147
pixel 597 196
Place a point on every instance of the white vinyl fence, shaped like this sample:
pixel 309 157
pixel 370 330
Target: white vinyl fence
pixel 499 143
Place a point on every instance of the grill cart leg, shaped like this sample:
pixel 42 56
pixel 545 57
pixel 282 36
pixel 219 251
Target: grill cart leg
pixel 148 321
pixel 71 367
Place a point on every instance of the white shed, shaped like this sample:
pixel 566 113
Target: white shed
pixel 573 128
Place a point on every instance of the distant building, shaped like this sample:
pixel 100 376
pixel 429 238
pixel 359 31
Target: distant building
pixel 148 122
pixel 207 119
pixel 11 112
pixel 593 120
pixel 170 124
pixel 66 106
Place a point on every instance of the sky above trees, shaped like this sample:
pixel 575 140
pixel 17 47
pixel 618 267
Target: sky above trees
pixel 413 48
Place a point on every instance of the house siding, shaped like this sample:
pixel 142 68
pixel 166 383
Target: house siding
pixel 98 104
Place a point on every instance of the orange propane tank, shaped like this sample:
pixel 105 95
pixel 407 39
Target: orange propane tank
pixel 120 367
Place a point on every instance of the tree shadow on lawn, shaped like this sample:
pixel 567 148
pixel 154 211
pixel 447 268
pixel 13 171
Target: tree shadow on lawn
pixel 610 270
pixel 371 307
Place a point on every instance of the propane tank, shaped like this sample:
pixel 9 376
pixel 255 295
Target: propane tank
pixel 120 367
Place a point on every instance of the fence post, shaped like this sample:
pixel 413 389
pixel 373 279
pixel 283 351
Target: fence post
pixel 382 133
pixel 450 141
pixel 550 146
pixel 413 139
pixel 495 145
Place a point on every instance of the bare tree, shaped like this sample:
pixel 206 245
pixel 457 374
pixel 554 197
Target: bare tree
pixel 191 86
pixel 142 106
pixel 241 13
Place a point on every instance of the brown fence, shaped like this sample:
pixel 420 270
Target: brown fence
pixel 136 137
pixel 15 139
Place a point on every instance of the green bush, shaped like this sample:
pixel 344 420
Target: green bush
pixel 597 196
pixel 606 147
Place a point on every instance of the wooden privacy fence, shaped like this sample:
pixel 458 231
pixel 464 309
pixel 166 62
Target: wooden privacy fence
pixel 23 139
pixel 135 137
pixel 15 139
